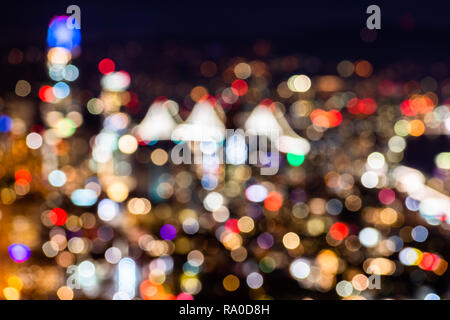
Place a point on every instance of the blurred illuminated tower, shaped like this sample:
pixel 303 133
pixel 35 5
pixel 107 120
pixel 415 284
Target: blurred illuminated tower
pixel 267 120
pixel 36 160
pixel 204 133
pixel 154 134
pixel 21 196
pixel 112 144
pixel 159 121
pixel 59 108
pixel 201 137
pixel 110 164
pixel 24 164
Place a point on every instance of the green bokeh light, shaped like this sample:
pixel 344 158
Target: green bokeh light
pixel 295 160
pixel 267 264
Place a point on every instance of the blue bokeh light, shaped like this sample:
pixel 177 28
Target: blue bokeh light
pixel 19 252
pixel 59 35
pixel 5 123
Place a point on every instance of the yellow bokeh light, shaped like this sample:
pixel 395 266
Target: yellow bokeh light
pixel 388 216
pixel 117 191
pixel 15 282
pixel 159 157
pixel 127 144
pixel 139 206
pixel 11 293
pixel 291 240
pixel 65 293
pixel 242 70
pixel 232 241
pixel 327 261
pixel 246 224
pixel 59 55
pixel 315 226
pixel 360 282
pixel 299 83
pixel 231 282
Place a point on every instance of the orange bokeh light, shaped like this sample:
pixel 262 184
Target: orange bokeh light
pixel 273 201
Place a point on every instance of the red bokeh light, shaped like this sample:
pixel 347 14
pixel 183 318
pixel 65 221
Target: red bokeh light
pixel 232 225
pixel 268 104
pixel 339 231
pixel 239 87
pixel 386 196
pixel 46 94
pixel 209 98
pixel 132 103
pixel 388 88
pixel 368 106
pixel 185 296
pixel 23 177
pixel 429 261
pixel 58 216
pixel 406 108
pixel 361 106
pixel 106 66
pixel 160 99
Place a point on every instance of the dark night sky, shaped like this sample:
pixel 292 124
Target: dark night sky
pixel 319 27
